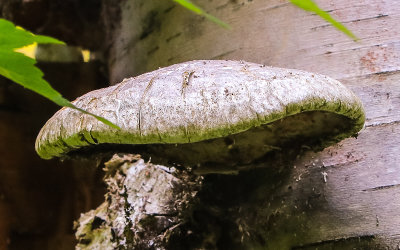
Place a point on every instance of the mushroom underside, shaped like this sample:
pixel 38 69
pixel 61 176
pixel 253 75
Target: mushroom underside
pixel 312 129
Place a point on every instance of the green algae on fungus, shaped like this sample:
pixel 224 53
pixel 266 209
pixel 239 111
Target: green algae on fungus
pixel 208 111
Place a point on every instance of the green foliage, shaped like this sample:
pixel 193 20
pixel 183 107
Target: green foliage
pixel 22 70
pixel 190 6
pixel 309 5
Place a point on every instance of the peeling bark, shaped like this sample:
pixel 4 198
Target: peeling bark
pixel 147 207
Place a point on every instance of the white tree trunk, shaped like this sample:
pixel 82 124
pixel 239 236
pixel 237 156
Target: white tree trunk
pixel 345 196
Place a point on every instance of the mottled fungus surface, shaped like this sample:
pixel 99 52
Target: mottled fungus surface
pixel 207 112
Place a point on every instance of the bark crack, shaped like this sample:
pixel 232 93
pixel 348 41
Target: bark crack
pixel 149 85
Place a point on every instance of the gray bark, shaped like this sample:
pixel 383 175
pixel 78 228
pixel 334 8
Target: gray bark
pixel 343 197
pixel 145 205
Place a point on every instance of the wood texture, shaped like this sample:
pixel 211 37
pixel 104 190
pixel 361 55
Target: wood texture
pixel 344 197
pixel 273 33
pixel 348 190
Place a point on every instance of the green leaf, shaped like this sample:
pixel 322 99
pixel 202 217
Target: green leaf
pixel 12 37
pixel 21 69
pixel 190 6
pixel 311 6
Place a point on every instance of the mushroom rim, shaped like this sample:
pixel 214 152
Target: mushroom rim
pixel 353 111
pixel 319 135
pixel 56 140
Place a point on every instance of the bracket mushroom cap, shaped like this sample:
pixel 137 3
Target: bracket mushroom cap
pixel 208 111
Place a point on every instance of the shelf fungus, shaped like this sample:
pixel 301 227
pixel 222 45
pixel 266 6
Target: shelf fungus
pixel 207 113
